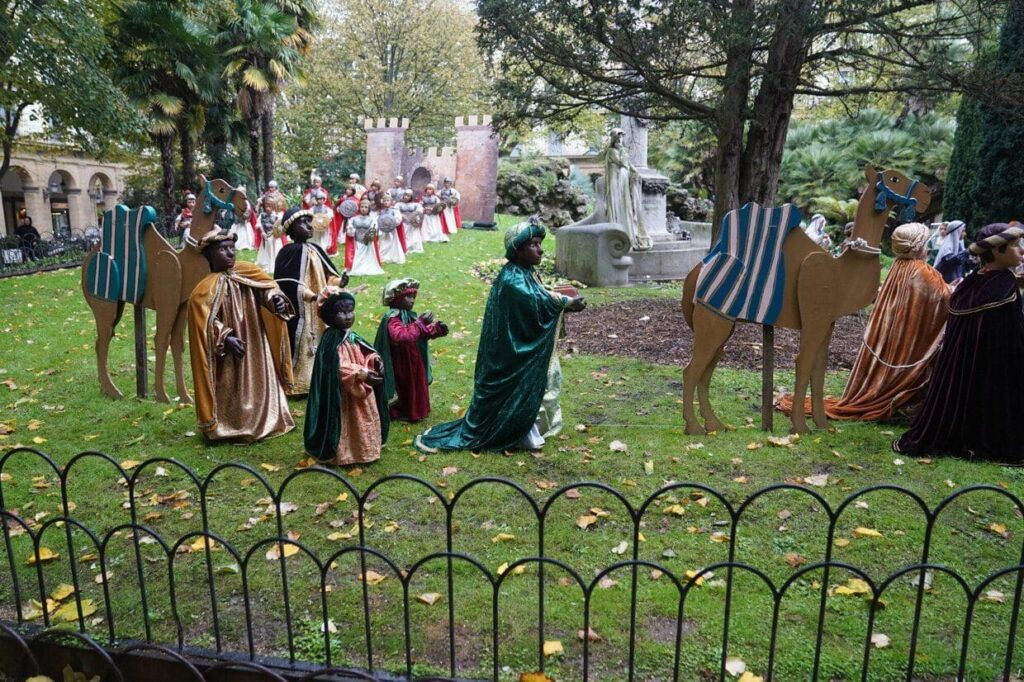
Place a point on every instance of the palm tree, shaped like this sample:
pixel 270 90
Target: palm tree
pixel 264 45
pixel 155 64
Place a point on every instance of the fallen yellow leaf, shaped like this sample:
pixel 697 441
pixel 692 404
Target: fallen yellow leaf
pixel 270 467
pixel 129 464
pixel 861 532
pixel 853 587
pixel 373 578
pixel 503 537
pixel 552 647
pixel 69 612
pixel 62 592
pixel 586 521
pixel 535 677
pixel 44 555
pixel 750 677
pixel 275 551
pixel 38 440
pixel 429 598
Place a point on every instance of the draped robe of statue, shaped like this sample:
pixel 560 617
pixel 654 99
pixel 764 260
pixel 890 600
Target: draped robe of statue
pixel 309 264
pixel 240 399
pixel 976 394
pixel 518 379
pixel 623 202
pixel 346 419
pixel 902 337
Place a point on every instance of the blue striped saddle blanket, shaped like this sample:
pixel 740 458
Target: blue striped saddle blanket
pixel 743 276
pixel 118 271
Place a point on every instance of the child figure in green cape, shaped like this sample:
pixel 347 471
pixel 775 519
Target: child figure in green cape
pixel 402 343
pixel 346 414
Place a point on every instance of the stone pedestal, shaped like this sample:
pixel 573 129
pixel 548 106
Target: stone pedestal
pixel 596 254
pixel 667 260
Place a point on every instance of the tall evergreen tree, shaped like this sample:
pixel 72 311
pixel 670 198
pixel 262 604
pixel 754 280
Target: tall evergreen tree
pixel 958 199
pixel 1000 184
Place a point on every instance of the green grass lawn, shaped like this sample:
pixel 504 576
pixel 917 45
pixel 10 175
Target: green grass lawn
pixel 51 400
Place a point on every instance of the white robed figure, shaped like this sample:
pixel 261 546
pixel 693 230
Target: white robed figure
pixel 244 226
pixel 432 207
pixel 363 229
pixel 450 196
pixel 270 208
pixel 412 221
pixel 623 202
pixel 270 242
pixel 322 217
pixel 389 236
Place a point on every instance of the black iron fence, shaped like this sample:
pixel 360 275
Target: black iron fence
pixel 934 594
pixel 50 251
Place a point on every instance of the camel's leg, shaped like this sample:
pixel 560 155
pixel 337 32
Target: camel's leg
pixel 818 381
pixel 711 420
pixel 167 302
pixel 165 321
pixel 710 332
pixel 107 314
pixel 814 339
pixel 177 350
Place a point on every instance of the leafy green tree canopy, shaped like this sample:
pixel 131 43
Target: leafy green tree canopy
pixel 50 55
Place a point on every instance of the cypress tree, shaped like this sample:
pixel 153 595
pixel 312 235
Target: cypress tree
pixel 959 193
pixel 999 187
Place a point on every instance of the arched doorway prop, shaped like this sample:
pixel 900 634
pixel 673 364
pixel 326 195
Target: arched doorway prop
pixel 419 180
pixel 102 194
pixel 13 186
pixel 56 192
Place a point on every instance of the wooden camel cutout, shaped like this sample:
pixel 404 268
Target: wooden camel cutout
pixel 170 276
pixel 818 290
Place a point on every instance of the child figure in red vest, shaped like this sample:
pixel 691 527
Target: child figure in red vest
pixel 402 343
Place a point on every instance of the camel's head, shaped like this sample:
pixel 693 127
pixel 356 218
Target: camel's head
pixel 893 188
pixel 219 194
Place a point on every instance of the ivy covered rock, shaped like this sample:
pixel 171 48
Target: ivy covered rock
pixel 540 186
pixel 680 203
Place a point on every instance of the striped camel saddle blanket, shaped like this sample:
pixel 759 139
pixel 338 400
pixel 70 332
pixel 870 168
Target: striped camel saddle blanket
pixel 118 271
pixel 743 276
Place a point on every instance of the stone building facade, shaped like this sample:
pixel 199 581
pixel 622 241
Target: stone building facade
pixel 60 189
pixel 472 164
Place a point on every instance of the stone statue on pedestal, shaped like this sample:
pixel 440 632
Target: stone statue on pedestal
pixel 622 192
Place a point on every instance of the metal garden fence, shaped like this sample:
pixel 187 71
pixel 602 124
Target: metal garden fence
pixel 989 556
pixel 54 252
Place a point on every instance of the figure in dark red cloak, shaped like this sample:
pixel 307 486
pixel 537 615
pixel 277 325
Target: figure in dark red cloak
pixel 402 343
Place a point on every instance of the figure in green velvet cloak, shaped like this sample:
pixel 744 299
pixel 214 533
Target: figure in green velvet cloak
pixel 346 413
pixel 518 380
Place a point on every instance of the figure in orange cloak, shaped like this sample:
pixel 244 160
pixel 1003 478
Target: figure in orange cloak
pixel 902 337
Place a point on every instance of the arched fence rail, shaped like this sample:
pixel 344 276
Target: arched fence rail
pixel 177 582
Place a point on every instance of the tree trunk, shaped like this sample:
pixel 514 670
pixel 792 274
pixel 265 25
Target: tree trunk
pixel 267 125
pixel 773 107
pixel 165 145
pixel 253 124
pixel 188 155
pixel 730 115
pixel 216 140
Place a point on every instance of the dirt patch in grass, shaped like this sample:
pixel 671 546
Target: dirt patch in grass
pixel 662 629
pixel 655 330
